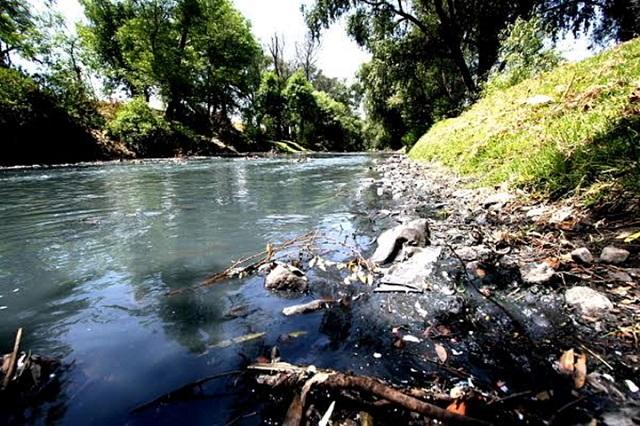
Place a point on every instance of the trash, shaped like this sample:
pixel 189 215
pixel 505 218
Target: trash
pixel 441 352
pixel 633 388
pixel 324 421
pixel 314 305
pixel 411 339
pixel 377 355
pixel 238 340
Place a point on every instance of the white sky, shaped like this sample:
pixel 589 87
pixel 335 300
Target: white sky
pixel 339 56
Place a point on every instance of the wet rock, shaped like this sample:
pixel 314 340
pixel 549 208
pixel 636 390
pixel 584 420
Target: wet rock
pixel 582 255
pixel 286 277
pixel 614 255
pixel 588 301
pixel 500 198
pixel 391 241
pixel 414 271
pixel 537 273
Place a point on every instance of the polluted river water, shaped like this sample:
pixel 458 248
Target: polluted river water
pixel 103 265
pixel 89 253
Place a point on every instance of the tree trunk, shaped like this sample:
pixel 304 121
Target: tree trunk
pixel 451 35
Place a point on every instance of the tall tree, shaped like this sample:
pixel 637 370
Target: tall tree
pixel 307 55
pixel 198 55
pixel 17 29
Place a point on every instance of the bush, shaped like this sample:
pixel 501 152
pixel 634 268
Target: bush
pixel 142 130
pixel 36 127
pixel 522 55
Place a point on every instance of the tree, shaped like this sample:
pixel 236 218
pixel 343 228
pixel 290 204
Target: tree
pixel 281 66
pixel 271 107
pixel 605 19
pixel 307 56
pixel 300 106
pixel 17 30
pixel 198 55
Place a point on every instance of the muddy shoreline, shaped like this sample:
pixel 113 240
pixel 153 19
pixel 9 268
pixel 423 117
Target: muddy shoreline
pixel 492 312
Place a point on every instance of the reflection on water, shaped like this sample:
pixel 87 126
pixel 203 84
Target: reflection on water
pixel 87 256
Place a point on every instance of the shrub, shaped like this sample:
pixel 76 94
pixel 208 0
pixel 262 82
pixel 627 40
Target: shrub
pixel 36 127
pixel 142 130
pixel 522 55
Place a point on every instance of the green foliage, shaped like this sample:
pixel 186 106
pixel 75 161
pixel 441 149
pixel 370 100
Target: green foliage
pixel 17 30
pixel 301 107
pixel 36 125
pixel 523 54
pixel 140 128
pixel 587 136
pixel 199 55
pixel 271 106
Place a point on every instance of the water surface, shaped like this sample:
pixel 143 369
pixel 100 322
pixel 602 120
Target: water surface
pixel 88 254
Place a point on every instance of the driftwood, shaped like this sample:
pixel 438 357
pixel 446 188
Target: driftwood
pixel 284 373
pixel 304 308
pixel 13 358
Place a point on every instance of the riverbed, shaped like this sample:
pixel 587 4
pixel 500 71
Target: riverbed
pixel 89 253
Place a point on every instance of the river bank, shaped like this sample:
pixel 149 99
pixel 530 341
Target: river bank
pixel 516 310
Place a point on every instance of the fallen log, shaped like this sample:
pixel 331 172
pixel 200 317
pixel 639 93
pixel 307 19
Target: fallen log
pixel 310 376
pixel 314 305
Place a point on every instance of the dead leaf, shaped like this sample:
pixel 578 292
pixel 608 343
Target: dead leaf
pixel 441 352
pixel 457 407
pixel 580 373
pixel 632 237
pixel 567 360
pixel 553 262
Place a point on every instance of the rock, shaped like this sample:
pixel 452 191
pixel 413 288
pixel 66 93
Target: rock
pixel 539 100
pixel 620 276
pixel 286 277
pixel 500 198
pixel 582 255
pixel 614 255
pixel 391 241
pixel 587 301
pixel 413 272
pixel 537 273
pixel 561 215
pixel 473 252
pixel 536 213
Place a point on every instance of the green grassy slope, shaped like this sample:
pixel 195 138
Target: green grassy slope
pixel 587 137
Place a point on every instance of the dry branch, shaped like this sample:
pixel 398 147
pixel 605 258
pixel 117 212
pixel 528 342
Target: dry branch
pixel 311 376
pixel 314 305
pixel 12 360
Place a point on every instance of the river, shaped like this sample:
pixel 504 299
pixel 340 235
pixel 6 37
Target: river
pixel 89 253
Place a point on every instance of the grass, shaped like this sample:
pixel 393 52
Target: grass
pixel 587 139
pixel 289 147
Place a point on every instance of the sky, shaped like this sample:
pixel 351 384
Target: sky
pixel 339 56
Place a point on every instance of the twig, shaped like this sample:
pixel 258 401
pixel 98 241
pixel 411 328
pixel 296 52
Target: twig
pixel 169 396
pixel 598 357
pixel 243 416
pixel 564 407
pixel 12 360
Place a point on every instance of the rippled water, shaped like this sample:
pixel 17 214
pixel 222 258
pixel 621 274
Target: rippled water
pixel 87 255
